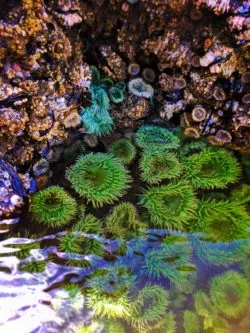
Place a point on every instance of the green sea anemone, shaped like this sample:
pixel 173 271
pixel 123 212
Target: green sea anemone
pixel 53 206
pixel 230 293
pixel 172 262
pixel 124 150
pixel 89 224
pixel 91 328
pixel 149 136
pixel 165 325
pixel 95 73
pixel 100 178
pixel 150 305
pixel 192 147
pixel 116 95
pixel 109 305
pixel 121 85
pixel 212 168
pixel 157 165
pixel 123 220
pixel 221 220
pixel 205 309
pixel 241 194
pixel 33 266
pixel 191 322
pixel 171 206
pixel 92 246
pixel 114 280
pixel 24 249
pixel 111 326
pixel 70 243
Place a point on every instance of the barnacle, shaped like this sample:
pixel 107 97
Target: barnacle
pixel 124 150
pixel 100 178
pixel 212 168
pixel 170 206
pixel 53 206
pixel 157 165
pixel 230 293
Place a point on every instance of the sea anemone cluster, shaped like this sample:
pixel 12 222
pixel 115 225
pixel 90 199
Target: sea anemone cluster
pixel 178 179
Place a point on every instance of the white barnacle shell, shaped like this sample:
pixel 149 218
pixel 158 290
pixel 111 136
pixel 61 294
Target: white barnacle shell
pixel 16 200
pixel 207 59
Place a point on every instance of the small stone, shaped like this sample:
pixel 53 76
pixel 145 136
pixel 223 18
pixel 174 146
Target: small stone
pixel 91 140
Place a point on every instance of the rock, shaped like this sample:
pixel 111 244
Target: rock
pixel 91 140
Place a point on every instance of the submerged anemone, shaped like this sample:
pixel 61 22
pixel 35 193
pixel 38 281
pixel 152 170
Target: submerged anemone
pixel 170 206
pixel 149 136
pixel 171 262
pixel 108 292
pixel 111 326
pixel 157 165
pixel 70 243
pixel 165 325
pixel 212 168
pixel 191 322
pixel 108 305
pixel 123 221
pixel 124 150
pixel 221 220
pixel 89 224
pixel 53 206
pixel 230 293
pixel 100 178
pixel 150 305
pixel 33 266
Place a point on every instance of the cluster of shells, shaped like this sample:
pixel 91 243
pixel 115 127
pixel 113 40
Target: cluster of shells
pixel 192 54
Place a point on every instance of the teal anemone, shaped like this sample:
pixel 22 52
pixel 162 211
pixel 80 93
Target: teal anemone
pixel 150 136
pixel 157 165
pixel 96 118
pixel 53 206
pixel 100 178
pixel 230 293
pixel 212 168
pixel 124 150
pixel 123 220
pixel 150 305
pixel 170 206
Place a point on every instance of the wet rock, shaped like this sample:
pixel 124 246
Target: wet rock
pixel 91 140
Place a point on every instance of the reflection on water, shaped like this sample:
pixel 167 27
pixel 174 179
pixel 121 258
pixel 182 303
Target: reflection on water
pixel 161 281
